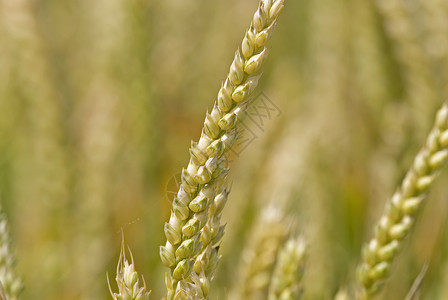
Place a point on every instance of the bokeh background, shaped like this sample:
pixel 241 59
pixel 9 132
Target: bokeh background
pixel 99 101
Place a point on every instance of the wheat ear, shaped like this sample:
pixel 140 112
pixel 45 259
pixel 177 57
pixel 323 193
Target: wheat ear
pixel 398 217
pixel 202 180
pixel 288 272
pixel 11 284
pixel 129 287
pixel 416 71
pixel 434 28
pixel 260 255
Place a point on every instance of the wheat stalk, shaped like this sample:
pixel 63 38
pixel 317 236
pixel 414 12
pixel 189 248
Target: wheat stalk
pixel 398 217
pixel 285 283
pixel 327 52
pixel 187 242
pixel 10 282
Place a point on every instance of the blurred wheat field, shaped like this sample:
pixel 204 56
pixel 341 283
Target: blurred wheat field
pixel 99 101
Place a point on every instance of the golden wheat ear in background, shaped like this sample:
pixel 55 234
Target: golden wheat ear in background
pixel 259 256
pixel 289 270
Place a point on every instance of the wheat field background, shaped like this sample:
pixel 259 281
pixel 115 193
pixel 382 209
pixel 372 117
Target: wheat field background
pixel 99 101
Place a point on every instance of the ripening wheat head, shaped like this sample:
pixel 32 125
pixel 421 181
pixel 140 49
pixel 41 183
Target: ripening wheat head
pixel 194 230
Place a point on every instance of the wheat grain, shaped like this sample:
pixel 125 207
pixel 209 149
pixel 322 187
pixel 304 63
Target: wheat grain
pixel 398 217
pixel 201 181
pixel 285 283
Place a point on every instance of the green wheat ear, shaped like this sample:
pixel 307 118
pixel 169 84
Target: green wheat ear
pixel 194 231
pixel 399 215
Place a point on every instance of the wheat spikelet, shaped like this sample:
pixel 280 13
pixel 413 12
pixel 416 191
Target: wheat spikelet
pixel 398 217
pixel 129 287
pixel 189 246
pixel 11 284
pixel 285 282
